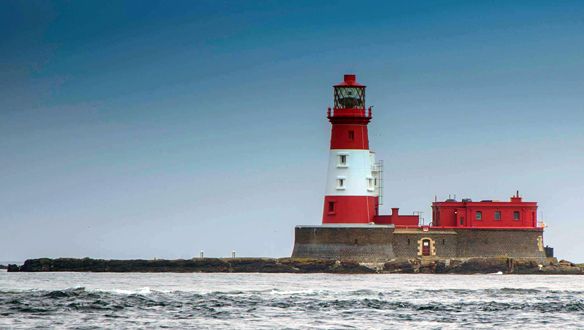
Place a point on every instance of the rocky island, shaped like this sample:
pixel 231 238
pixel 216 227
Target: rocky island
pixel 298 265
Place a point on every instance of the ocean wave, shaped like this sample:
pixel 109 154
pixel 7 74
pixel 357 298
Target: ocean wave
pixel 144 306
pixel 141 291
pixel 148 298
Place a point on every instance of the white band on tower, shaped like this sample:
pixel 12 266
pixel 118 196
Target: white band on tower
pixel 351 173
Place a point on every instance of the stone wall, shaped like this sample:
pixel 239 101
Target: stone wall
pixel 406 243
pixel 527 243
pixel 344 242
pixel 369 243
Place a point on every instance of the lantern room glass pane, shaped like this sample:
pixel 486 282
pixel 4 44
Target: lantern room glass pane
pixel 349 97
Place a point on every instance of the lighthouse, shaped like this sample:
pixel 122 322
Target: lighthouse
pixel 352 228
pixel 353 178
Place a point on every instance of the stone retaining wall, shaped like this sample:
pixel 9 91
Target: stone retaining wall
pixel 365 243
pixel 525 243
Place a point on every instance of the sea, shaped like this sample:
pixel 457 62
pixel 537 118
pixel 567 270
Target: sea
pixel 289 301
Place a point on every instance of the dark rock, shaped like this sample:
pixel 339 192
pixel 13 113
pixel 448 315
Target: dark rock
pixel 480 265
pixel 455 263
pixel 441 266
pixel 350 267
pixel 138 265
pixel 207 265
pixel 303 265
pixel 37 265
pixel 297 265
pixel 12 268
pixel 561 270
pixel 255 265
pixel 526 266
pixel 398 266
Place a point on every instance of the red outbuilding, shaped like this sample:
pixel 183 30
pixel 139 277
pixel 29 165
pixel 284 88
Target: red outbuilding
pixel 486 214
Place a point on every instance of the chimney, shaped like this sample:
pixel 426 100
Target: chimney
pixel 516 198
pixel 394 214
pixel 350 79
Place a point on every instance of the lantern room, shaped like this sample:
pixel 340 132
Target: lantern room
pixel 349 94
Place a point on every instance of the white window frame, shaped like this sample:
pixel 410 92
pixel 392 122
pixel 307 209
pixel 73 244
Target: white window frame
pixel 341 183
pixel 340 157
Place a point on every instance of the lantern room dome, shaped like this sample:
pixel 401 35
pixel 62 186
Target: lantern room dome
pixel 349 80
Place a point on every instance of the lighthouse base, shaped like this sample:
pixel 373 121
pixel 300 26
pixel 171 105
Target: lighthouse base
pixel 364 243
pixel 376 243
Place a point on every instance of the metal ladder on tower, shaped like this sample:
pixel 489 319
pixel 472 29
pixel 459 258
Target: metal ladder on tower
pixel 379 177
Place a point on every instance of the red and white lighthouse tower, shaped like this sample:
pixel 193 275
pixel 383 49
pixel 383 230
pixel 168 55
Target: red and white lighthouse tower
pixel 352 190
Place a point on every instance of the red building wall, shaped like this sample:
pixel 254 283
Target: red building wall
pixel 349 136
pixel 397 219
pixel 360 208
pixel 514 213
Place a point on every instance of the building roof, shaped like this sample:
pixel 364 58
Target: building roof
pixel 350 80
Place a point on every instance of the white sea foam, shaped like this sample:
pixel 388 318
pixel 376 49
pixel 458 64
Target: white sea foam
pixel 143 291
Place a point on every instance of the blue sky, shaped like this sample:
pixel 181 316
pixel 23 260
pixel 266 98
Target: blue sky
pixel 146 129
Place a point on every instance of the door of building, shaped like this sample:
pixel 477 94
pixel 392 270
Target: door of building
pixel 426 247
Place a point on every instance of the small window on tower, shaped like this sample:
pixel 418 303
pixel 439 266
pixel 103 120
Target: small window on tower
pixel 331 207
pixel 370 185
pixel 340 183
pixel 479 215
pixel 497 215
pixel 342 160
pixel 352 135
pixel 516 215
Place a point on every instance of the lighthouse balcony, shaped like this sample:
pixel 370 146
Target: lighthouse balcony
pixel 349 112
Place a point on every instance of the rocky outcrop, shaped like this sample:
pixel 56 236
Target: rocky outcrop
pixel 205 265
pixel 300 265
pixel 401 266
pixel 121 266
pixel 549 266
pixel 482 266
pixel 12 268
